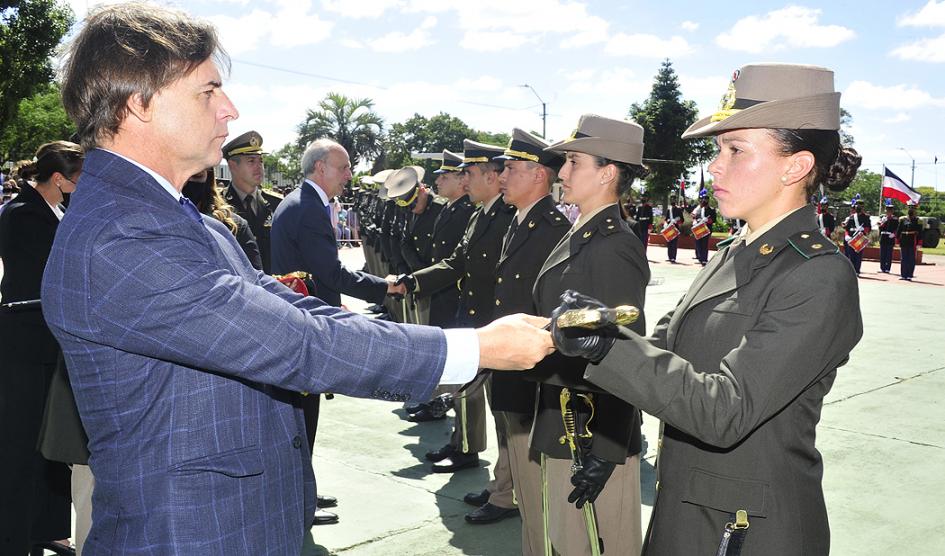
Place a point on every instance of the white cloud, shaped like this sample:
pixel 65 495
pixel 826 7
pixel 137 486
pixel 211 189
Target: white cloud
pixel 689 25
pixel 793 26
pixel 931 15
pixel 290 26
pixel 706 91
pixel 922 50
pixel 361 8
pixel 898 118
pixel 619 82
pixel 351 43
pixel 397 41
pixel 493 41
pixel 484 84
pixel 647 46
pixel 897 97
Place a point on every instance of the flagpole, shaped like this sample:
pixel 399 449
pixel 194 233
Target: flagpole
pixel 881 190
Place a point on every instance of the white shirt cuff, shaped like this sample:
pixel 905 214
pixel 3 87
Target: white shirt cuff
pixel 462 356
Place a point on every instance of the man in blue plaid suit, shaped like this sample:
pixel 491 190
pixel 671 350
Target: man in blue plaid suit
pixel 183 358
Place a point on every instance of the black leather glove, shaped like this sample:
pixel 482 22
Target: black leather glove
pixel 407 280
pixel 592 345
pixel 590 480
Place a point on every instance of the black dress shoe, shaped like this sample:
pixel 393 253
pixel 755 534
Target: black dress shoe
pixel 477 498
pixel 324 518
pixel 456 462
pixel 326 501
pixel 489 513
pixel 59 548
pixel 415 407
pixel 440 454
pixel 424 415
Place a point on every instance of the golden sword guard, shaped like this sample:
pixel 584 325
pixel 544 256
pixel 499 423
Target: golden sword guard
pixel 593 319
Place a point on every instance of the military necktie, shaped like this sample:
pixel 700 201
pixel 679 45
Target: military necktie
pixel 248 203
pixel 509 235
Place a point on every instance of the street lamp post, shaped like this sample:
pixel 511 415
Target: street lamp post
pixel 912 180
pixel 544 110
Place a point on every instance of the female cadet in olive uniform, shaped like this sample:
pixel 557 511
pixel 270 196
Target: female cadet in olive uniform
pixel 601 254
pixel 739 370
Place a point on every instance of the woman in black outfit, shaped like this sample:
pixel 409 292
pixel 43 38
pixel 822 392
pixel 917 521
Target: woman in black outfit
pixel 34 493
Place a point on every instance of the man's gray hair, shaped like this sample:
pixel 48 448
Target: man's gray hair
pixel 317 150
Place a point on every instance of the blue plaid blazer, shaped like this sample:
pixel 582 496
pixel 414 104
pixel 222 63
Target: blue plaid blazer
pixel 182 357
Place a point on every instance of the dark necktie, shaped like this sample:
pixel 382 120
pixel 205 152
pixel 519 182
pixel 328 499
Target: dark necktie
pixel 248 203
pixel 509 235
pixel 190 209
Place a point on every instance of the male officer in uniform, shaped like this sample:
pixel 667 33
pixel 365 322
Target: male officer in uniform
pixel 440 309
pixel 244 157
pixel 473 264
pixel 530 171
pixel 888 228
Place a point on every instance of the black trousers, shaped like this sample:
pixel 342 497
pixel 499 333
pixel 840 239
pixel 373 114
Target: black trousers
pixel 671 247
pixel 702 249
pixel 855 258
pixel 886 245
pixel 907 264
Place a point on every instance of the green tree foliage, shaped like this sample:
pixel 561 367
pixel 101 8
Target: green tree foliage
pixel 421 134
pixel 349 121
pixel 868 185
pixel 846 122
pixel 286 160
pixel 664 116
pixel 39 119
pixel 429 135
pixel 29 32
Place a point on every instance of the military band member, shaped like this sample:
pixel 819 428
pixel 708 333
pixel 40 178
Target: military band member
pixel 472 265
pixel 825 219
pixel 703 213
pixel 735 226
pixel 526 183
pixel 857 222
pixel 644 218
pixel 910 239
pixel 674 217
pixel 244 158
pixel 888 230
pixel 600 253
pixel 738 371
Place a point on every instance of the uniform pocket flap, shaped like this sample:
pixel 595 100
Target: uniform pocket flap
pixel 726 494
pixel 241 462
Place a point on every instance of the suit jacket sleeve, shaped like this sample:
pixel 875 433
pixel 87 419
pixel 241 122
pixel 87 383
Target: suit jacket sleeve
pixel 176 305
pixel 319 251
pixel 802 334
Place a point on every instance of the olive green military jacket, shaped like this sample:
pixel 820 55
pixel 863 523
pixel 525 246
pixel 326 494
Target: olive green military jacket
pixel 603 259
pixel 738 373
pixel 472 265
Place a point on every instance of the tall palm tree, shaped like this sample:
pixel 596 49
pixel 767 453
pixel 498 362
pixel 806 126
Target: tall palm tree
pixel 349 121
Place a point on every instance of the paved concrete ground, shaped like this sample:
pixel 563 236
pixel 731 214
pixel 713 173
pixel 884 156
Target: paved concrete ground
pixel 882 436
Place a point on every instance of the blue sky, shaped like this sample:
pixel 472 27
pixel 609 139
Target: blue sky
pixel 470 59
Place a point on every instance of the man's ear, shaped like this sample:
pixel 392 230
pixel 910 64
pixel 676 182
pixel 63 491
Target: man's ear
pixel 138 108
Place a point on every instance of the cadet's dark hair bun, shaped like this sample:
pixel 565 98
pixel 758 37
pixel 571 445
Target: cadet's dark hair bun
pixel 843 169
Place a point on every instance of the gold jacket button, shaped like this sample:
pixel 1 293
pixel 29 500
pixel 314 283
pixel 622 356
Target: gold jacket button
pixel 499 281
pixel 497 302
pixel 472 311
pixel 470 294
